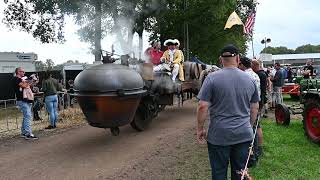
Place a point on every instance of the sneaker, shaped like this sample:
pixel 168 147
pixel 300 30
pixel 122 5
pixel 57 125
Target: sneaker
pixel 252 161
pixel 31 137
pixel 37 119
pixel 23 135
pixel 50 127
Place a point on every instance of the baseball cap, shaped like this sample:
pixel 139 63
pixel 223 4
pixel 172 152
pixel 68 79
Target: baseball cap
pixel 245 61
pixel 229 51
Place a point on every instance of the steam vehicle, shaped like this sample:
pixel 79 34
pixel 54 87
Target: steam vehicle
pixel 113 95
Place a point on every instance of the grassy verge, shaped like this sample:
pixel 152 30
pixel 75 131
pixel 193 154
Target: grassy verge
pixel 288 154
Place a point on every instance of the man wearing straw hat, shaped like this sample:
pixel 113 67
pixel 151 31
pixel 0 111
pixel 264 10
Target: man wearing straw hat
pixel 171 60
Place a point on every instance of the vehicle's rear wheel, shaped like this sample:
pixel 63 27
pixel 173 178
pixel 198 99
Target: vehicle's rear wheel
pixel 311 121
pixel 140 120
pixel 282 115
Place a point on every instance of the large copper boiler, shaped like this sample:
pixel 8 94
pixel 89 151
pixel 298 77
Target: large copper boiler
pixel 109 94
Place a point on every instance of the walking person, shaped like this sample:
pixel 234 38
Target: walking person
pixel 24 104
pixel 50 87
pixel 246 66
pixel 256 66
pixel 231 98
pixel 277 82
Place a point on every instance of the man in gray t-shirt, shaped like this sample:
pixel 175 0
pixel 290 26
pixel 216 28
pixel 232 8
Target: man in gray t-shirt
pixel 231 98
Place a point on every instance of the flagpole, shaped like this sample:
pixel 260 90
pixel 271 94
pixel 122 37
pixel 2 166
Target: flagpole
pixel 252 45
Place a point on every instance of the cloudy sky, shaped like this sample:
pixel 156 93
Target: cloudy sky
pixel 288 23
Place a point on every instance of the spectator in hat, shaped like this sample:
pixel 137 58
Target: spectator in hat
pixel 173 59
pixel 231 99
pixel 178 47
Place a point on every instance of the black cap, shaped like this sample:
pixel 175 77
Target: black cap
pixel 229 51
pixel 245 61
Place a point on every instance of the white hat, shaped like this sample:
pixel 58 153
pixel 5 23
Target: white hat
pixel 170 42
pixel 177 42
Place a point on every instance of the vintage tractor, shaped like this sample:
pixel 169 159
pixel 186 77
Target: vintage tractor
pixel 293 88
pixel 309 108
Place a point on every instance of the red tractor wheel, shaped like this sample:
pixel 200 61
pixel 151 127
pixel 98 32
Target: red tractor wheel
pixel 282 115
pixel 311 121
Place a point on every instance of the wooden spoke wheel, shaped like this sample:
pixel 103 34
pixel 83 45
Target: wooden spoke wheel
pixel 140 120
pixel 282 115
pixel 311 121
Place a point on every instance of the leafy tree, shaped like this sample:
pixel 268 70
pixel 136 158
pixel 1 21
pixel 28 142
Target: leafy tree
pixel 308 49
pixel 45 19
pixel 49 64
pixel 40 66
pixel 299 50
pixel 164 19
pixel 277 50
pixel 206 20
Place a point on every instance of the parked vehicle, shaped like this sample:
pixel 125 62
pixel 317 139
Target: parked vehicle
pixel 309 108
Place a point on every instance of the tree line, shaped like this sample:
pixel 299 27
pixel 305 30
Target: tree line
pixel 299 50
pixel 163 19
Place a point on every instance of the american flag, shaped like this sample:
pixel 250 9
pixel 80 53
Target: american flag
pixel 248 27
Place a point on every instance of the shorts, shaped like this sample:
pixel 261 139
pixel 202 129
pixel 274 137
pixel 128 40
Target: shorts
pixel 277 95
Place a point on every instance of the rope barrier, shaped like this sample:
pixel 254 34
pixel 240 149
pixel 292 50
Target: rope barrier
pixel 244 172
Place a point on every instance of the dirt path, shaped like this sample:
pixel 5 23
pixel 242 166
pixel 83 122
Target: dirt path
pixel 92 153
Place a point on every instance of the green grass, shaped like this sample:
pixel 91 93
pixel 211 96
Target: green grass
pixel 289 101
pixel 288 154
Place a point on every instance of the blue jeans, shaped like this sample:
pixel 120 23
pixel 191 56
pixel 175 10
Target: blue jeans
pixel 25 107
pixel 219 157
pixel 52 108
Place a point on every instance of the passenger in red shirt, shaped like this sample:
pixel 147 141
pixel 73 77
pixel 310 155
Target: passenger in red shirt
pixel 155 53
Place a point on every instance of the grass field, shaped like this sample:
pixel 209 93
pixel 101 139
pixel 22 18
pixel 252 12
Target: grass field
pixel 288 155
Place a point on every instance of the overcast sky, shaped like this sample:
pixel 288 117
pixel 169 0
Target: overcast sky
pixel 288 23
